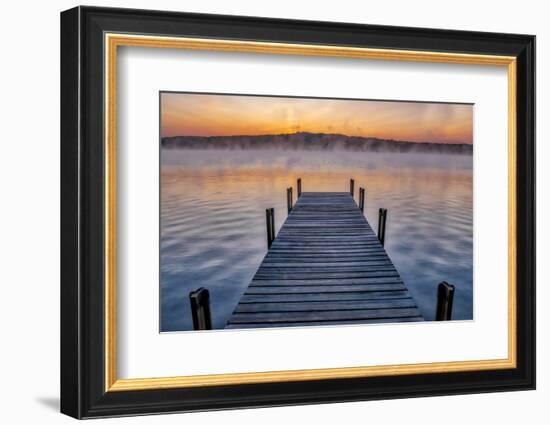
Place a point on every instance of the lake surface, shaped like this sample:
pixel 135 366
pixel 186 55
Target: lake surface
pixel 213 219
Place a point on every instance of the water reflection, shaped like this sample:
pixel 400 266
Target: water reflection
pixel 213 219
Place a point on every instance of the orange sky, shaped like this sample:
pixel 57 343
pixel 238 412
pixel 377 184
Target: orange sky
pixel 184 114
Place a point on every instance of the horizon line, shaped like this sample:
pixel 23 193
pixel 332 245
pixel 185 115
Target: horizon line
pixel 320 133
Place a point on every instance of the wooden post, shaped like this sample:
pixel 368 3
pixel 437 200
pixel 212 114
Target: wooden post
pixel 270 225
pixel 272 214
pixel 299 187
pixel 288 205
pixel 200 309
pixel 289 199
pixel 445 295
pixel 352 187
pixel 382 215
pixel 362 199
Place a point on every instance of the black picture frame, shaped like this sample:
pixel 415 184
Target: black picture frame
pixel 83 392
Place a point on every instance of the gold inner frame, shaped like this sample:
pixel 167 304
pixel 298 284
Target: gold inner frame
pixel 113 41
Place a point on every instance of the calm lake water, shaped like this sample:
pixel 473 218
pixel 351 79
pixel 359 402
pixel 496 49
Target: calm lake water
pixel 213 219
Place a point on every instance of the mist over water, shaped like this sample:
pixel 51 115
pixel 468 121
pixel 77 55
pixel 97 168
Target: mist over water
pixel 213 219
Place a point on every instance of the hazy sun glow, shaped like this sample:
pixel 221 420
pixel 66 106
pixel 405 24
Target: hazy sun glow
pixel 185 114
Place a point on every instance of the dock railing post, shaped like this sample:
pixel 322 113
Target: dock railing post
pixel 270 225
pixel 299 187
pixel 289 199
pixel 382 215
pixel 352 187
pixel 362 199
pixel 200 309
pixel 445 295
pixel 272 212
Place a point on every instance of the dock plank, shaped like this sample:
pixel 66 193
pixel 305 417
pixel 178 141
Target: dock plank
pixel 323 323
pixel 318 306
pixel 326 282
pixel 315 316
pixel 325 267
pixel 332 297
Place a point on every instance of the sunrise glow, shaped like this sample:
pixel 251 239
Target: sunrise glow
pixel 184 114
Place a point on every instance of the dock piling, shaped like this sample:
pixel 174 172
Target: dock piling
pixel 362 199
pixel 270 225
pixel 272 211
pixel 289 199
pixel 299 187
pixel 352 187
pixel 200 309
pixel 382 215
pixel 445 295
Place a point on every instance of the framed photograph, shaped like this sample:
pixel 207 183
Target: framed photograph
pixel 261 212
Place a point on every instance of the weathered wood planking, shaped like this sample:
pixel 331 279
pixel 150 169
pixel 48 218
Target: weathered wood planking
pixel 325 267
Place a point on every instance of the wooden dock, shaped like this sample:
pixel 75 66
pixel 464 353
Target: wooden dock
pixel 325 267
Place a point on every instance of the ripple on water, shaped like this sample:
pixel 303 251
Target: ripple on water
pixel 213 220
